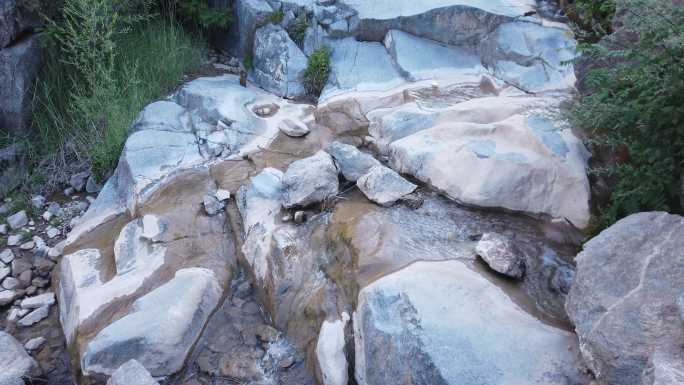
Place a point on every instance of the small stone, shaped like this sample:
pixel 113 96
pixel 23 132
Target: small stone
pixel 68 191
pixel 39 282
pixel 10 283
pixel 222 195
pixel 212 205
pixel 31 290
pixel 47 216
pixel 52 232
pixel 25 278
pixel 14 240
pixel 300 217
pixel 34 343
pixel 15 313
pixel 35 316
pixel 47 300
pixel 92 186
pixel 17 220
pixel 5 208
pixel 384 186
pixel 3 229
pixel 54 208
pixel 7 297
pixel 30 245
pixel 286 218
pixel 40 243
pixel 131 373
pixel 38 202
pixel 501 255
pixel 78 181
pixel 7 256
pixel 54 253
pixel 20 265
pixel 293 129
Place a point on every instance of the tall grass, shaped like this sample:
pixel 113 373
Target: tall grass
pixel 84 118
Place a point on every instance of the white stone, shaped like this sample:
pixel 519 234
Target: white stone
pixel 35 316
pixel 222 195
pixel 47 216
pixel 7 297
pixel 310 180
pixel 3 229
pixel 14 240
pixel 330 351
pixel 384 186
pixel 38 202
pixel 30 245
pixel 15 363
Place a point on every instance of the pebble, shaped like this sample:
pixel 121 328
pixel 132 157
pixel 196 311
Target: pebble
pixel 38 201
pixel 34 343
pixel 7 256
pixel 18 220
pixel 35 316
pixel 14 240
pixel 15 313
pixel 52 232
pixel 28 245
pixel 20 265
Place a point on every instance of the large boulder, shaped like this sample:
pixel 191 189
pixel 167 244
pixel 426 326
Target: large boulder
pixel 623 301
pixel 19 66
pixel 310 180
pixel 250 15
pixel 15 363
pixel 279 64
pixel 443 323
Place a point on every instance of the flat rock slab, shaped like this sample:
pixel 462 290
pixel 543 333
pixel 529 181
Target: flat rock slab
pixel 442 323
pixel 391 9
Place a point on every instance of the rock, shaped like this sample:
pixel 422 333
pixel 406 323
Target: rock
pixel 665 367
pixel 351 162
pixel 34 343
pixel 267 333
pixel 212 205
pixel 130 373
pixel 52 232
pixel 92 186
pixel 54 209
pixel 15 363
pixel 17 220
pixel 279 64
pixel 38 202
pixel 30 245
pixel 47 299
pixel 680 303
pixel 250 14
pixel 293 129
pixel 300 217
pixel 10 283
pixel 186 302
pixel 330 351
pixel 78 181
pixel 20 265
pixel 4 271
pixel 25 278
pixel 69 191
pixel 7 297
pixel 222 195
pixel 14 240
pixel 19 66
pixel 501 255
pixel 6 256
pixel 623 301
pixel 46 216
pixel 442 323
pixel 384 186
pixel 3 229
pixel 35 316
pixel 310 180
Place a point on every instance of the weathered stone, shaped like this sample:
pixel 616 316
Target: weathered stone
pixel 132 372
pixel 38 202
pixel 442 323
pixel 7 297
pixel 623 301
pixel 35 316
pixel 10 283
pixel 6 256
pixel 15 363
pixel 19 65
pixel 78 180
pixel 310 180
pixel 162 326
pixel 351 162
pixel 293 129
pixel 47 299
pixel 501 255
pixel 18 220
pixel 665 367
pixel 384 186
pixel 212 206
pixel 250 14
pixel 14 239
pixel 279 64
pixel 34 343
pixel 330 351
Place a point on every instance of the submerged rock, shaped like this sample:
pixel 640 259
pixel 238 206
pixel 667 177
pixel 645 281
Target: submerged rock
pixel 501 255
pixel 623 301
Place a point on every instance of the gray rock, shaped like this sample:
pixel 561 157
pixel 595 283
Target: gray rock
pixel 35 316
pixel 310 180
pixel 54 208
pixel 212 205
pixel 18 220
pixel 384 186
pixel 7 297
pixel 3 229
pixel 38 202
pixel 30 245
pixel 162 343
pixel 7 256
pixel 443 323
pixel 250 14
pixel 52 232
pixel 351 162
pixel 501 255
pixel 8 22
pixel 293 129
pixel 132 372
pixel 25 279
pixel 92 186
pixel 10 283
pixel 19 65
pixel 279 64
pixel 315 38
pixel 4 271
pixel 623 301
pixel 680 303
pixel 46 299
pixel 34 343
pixel 15 363
pixel 20 265
pixel 665 367
pixel 78 181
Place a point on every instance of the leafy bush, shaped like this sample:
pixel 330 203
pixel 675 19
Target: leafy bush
pixel 317 71
pixel 276 17
pixel 198 12
pixel 592 17
pixel 635 107
pixel 297 29
pixel 104 66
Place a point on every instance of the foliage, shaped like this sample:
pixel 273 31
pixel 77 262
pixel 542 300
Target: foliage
pixel 199 12
pixel 107 59
pixel 248 62
pixel 317 71
pixel 276 17
pixel 635 106
pixel 593 18
pixel 297 29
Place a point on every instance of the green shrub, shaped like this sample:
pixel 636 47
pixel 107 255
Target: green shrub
pixel 199 13
pixel 248 62
pixel 593 18
pixel 297 29
pixel 103 67
pixel 317 71
pixel 276 17
pixel 635 105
